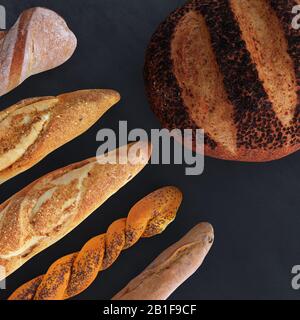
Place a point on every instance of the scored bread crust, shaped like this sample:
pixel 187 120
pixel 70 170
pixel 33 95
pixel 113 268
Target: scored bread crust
pixel 171 268
pixel 35 127
pixel 203 71
pixel 40 40
pixel 51 207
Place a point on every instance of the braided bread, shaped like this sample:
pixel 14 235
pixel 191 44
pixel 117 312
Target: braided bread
pixel 39 41
pixel 51 207
pixel 33 128
pixel 72 274
pixel 232 68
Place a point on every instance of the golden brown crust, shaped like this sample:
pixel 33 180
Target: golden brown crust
pixel 16 67
pixel 51 207
pixel 269 52
pixel 193 59
pixel 2 34
pixel 191 39
pixel 39 41
pixel 174 266
pixel 33 128
pixel 72 274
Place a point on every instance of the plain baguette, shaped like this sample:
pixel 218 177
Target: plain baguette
pixel 48 209
pixel 39 41
pixel 35 127
pixel 173 267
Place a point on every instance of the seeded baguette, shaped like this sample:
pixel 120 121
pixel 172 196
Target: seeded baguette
pixel 172 268
pixel 39 41
pixel 35 127
pixel 48 209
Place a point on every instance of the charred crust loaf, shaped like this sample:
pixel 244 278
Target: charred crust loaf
pixel 161 84
pixel 283 10
pixel 256 131
pixel 256 122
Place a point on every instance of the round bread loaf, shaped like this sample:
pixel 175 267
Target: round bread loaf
pixel 231 68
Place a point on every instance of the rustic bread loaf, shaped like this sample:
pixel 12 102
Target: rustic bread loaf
pixel 231 68
pixel 48 209
pixel 172 268
pixel 72 274
pixel 39 41
pixel 33 128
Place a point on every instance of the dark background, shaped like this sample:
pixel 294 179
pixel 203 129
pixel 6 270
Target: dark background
pixel 254 207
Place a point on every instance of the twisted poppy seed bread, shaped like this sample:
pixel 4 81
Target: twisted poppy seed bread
pixel 231 68
pixel 51 207
pixel 39 41
pixel 71 275
pixel 33 128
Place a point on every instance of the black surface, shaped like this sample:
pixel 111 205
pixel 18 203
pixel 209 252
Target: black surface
pixel 253 207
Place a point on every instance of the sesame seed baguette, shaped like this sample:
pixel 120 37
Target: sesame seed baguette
pixel 51 207
pixel 35 127
pixel 172 268
pixel 39 41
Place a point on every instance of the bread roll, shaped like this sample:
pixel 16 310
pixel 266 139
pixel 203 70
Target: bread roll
pixel 39 41
pixel 51 207
pixel 233 69
pixel 172 268
pixel 33 128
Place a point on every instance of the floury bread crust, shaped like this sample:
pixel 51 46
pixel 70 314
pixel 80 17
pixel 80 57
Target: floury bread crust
pixel 233 69
pixel 172 268
pixel 39 41
pixel 33 128
pixel 48 209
